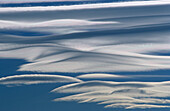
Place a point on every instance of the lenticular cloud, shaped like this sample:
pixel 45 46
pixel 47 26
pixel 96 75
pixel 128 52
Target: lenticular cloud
pixel 127 95
pixel 95 41
pixel 36 79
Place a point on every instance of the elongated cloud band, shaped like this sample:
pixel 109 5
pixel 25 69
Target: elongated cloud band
pixel 37 1
pixel 99 76
pixel 36 79
pixel 52 23
pixel 88 6
pixel 127 95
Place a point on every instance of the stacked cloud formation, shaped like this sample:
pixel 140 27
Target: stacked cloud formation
pixel 105 37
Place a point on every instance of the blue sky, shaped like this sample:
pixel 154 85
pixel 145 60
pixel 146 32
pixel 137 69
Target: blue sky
pixel 84 55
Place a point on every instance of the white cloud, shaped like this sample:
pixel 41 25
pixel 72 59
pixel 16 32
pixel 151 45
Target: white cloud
pixel 36 79
pixel 53 23
pixel 110 37
pixel 147 106
pixel 88 6
pixel 100 76
pixel 34 1
pixel 104 41
pixel 127 95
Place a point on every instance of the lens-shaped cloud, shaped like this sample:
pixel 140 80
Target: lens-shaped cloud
pixel 127 95
pixel 36 79
pixel 99 76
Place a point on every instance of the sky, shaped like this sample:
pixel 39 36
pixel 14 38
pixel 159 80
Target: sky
pixel 84 55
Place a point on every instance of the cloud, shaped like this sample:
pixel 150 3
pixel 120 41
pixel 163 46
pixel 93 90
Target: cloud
pixel 134 106
pixel 99 76
pixel 53 23
pixel 36 1
pixel 127 95
pixel 57 27
pixel 101 38
pixel 147 106
pixel 36 79
pixel 93 40
pixel 96 85
pixel 88 6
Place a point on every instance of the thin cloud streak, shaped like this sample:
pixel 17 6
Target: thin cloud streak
pixel 28 79
pixel 100 76
pixel 35 1
pixel 53 23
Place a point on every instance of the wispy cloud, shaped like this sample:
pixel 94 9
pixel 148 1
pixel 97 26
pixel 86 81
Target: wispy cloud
pixel 36 79
pixel 127 95
pixel 58 26
pixel 36 1
pixel 63 23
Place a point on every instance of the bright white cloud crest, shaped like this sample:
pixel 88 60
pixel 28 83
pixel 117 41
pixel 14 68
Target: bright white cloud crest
pixel 36 79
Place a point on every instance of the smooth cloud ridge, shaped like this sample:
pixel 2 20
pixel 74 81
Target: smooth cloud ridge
pixel 99 76
pixel 36 79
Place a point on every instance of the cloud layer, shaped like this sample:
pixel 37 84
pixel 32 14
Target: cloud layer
pixel 93 41
pixel 129 95
pixel 36 79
